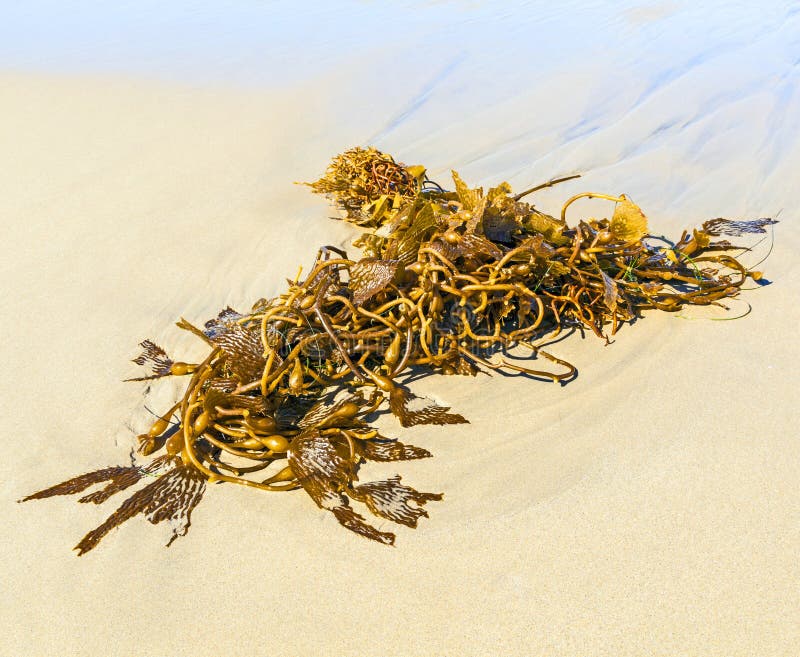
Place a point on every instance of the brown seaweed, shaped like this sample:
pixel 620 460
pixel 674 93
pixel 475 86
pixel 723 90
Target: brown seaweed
pixel 451 282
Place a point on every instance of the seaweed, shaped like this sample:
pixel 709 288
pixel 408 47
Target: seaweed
pixel 369 186
pixel 450 283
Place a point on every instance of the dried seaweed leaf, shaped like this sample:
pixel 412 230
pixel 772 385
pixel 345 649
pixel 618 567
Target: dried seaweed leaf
pixel 120 478
pixel 224 318
pixel 291 409
pixel 318 467
pixel 628 223
pixel 610 291
pixel 383 449
pixel 475 217
pixel 399 400
pixel 390 499
pixel 215 397
pixel 242 344
pixel 500 195
pixel 500 227
pixel 423 222
pixel 173 497
pixel 220 384
pixel 324 474
pixel 155 358
pixel 356 523
pixel 469 198
pixel 471 245
pixel 368 277
pixel 722 226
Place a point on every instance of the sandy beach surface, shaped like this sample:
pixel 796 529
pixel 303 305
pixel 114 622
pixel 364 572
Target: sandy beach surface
pixel 650 507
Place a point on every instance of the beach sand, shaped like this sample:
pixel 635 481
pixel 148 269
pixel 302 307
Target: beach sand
pixel 650 507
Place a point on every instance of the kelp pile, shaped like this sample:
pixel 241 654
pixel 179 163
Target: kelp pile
pixel 369 185
pixel 450 282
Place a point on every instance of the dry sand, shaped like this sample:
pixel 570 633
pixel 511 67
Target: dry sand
pixel 649 508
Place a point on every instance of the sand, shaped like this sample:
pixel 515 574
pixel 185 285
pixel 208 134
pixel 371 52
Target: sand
pixel 651 507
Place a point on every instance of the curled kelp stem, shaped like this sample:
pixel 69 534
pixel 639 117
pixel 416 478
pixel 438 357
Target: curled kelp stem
pixel 450 282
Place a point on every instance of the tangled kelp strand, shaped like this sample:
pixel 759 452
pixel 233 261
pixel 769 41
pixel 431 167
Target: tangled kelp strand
pixel 369 185
pixel 451 282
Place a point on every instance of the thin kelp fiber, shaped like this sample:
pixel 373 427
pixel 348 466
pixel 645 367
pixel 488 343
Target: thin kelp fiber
pixel 450 282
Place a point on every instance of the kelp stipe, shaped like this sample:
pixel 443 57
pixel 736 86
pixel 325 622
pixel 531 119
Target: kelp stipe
pixel 450 282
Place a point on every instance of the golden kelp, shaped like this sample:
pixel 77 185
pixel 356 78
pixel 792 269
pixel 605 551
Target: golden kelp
pixel 451 282
pixel 369 185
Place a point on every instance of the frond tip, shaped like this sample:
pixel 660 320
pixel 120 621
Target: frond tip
pixel 390 499
pixel 172 497
pixel 328 479
pixel 155 359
